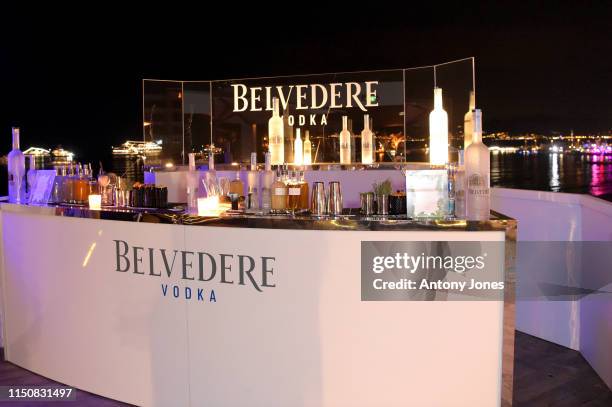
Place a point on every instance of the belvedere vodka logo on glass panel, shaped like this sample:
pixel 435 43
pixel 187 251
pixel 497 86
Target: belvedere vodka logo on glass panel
pixel 202 273
pixel 334 110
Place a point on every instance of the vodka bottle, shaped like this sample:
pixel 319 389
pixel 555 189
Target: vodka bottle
pixel 345 142
pixel 468 122
pixel 307 149
pixel 477 172
pixel 16 172
pixel 298 150
pixel 276 138
pixel 366 141
pixel 438 131
pixel 32 175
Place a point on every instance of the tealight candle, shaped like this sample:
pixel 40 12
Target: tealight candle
pixel 95 202
pixel 208 206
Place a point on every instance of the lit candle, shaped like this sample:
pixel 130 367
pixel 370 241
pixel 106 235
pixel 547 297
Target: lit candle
pixel 95 202
pixel 209 206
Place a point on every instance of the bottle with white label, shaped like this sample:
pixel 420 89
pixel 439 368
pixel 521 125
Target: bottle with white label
pixel 298 149
pixel 468 122
pixel 279 193
pixel 16 172
pixel 366 141
pixel 477 173
pixel 276 138
pixel 294 191
pixel 345 142
pixel 307 149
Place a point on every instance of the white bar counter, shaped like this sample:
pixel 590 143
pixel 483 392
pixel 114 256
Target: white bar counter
pixel 292 332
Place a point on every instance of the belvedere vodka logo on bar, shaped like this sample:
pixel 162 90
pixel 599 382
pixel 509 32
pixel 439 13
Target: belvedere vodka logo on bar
pixel 432 271
pixel 316 96
pixel 195 268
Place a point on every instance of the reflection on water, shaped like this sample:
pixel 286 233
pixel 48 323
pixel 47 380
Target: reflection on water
pixel 126 166
pixel 554 173
pixel 573 173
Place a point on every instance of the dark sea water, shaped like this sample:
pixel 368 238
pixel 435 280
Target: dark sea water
pixel 574 173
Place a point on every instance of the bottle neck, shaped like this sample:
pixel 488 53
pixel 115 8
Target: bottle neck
pixel 472 100
pixel 366 121
pixel 344 123
pixel 275 107
pixel 438 98
pixel 15 138
pixel 477 118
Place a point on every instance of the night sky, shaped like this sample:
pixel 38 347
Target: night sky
pixel 77 81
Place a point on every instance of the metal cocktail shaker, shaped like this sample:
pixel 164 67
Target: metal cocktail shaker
pixel 367 203
pixel 318 202
pixel 334 203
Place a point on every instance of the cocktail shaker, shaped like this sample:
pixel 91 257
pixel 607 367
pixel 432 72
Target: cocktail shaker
pixel 334 203
pixel 367 203
pixel 382 204
pixel 318 203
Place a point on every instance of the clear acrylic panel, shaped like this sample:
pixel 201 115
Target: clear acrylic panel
pixel 230 117
pixel 314 104
pixel 197 119
pixel 162 119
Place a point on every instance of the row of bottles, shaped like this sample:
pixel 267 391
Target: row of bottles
pixel 264 192
pixel 303 148
pixel 469 188
pixel 73 184
pixel 289 192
